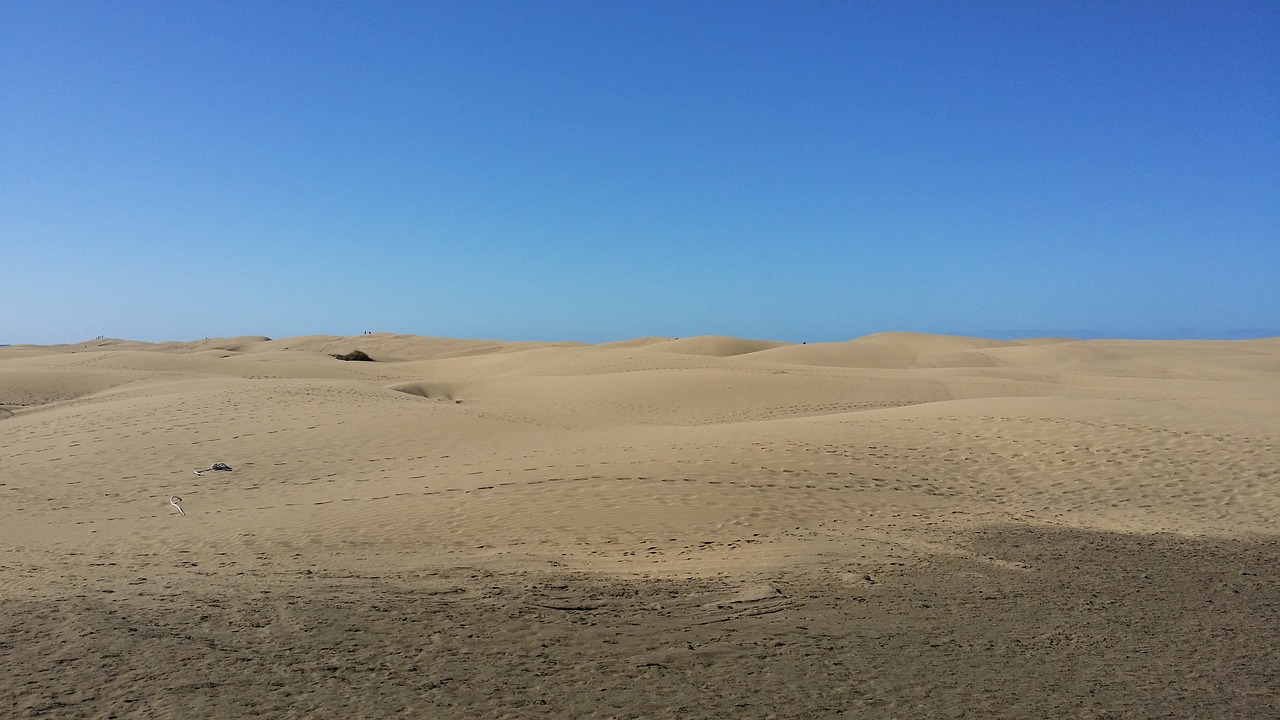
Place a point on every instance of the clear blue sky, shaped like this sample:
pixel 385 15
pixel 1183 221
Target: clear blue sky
pixel 602 170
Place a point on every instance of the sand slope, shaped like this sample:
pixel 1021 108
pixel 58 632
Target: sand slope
pixel 899 525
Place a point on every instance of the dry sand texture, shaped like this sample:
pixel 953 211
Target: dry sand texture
pixel 899 526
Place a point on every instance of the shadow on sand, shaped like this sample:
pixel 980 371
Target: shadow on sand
pixel 1051 624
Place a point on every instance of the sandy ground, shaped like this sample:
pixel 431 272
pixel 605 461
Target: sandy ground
pixel 900 526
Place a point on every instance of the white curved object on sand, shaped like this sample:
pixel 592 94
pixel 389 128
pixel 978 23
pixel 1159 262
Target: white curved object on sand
pixel 177 502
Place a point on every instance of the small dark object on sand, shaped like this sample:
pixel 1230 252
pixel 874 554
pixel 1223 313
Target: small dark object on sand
pixel 355 355
pixel 216 466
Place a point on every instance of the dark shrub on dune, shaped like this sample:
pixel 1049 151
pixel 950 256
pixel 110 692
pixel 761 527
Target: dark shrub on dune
pixel 355 355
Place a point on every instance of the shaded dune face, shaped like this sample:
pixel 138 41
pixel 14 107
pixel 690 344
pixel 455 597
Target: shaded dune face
pixel 428 390
pixel 571 523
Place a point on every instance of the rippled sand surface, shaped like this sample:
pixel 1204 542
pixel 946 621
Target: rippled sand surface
pixel 896 526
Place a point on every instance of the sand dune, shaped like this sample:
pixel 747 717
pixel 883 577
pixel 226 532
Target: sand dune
pixel 714 345
pixel 889 351
pixel 898 525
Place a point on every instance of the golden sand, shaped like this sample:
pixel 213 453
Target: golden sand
pixel 896 526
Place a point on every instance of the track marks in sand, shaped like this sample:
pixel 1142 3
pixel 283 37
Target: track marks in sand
pixel 591 520
pixel 1101 624
pixel 993 464
pixel 1064 467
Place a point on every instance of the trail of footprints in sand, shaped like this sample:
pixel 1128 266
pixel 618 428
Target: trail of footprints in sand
pixel 992 465
pixel 186 420
pixel 761 474
pixel 1016 461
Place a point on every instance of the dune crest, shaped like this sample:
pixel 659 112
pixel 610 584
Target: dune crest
pixel 714 346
